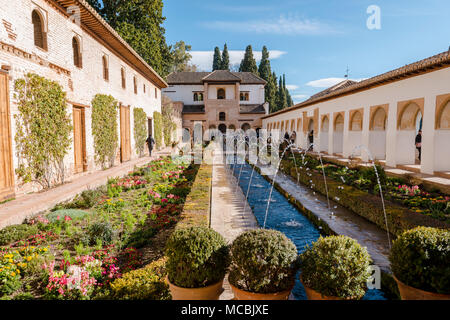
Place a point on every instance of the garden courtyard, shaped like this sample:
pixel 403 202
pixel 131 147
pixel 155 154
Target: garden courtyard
pixel 167 228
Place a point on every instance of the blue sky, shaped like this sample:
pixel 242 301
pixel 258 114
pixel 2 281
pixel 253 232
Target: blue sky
pixel 313 41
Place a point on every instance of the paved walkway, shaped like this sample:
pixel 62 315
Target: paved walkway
pixel 15 211
pixel 227 208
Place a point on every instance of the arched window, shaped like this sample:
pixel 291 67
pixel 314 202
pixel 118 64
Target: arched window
pixel 135 85
pixel 124 83
pixel 222 116
pixel 220 94
pixel 244 96
pixel 105 68
pixel 76 52
pixel 40 36
pixel 195 96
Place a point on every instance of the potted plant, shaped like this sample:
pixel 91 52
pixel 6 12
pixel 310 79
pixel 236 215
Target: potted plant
pixel 335 268
pixel 197 260
pixel 263 265
pixel 420 261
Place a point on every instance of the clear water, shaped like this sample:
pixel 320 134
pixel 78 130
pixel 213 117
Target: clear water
pixel 283 216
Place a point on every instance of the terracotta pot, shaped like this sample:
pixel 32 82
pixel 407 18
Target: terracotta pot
pixel 312 294
pixel 211 292
pixel 246 295
pixel 410 293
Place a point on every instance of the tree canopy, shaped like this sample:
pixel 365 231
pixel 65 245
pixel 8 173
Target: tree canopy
pixel 248 64
pixel 217 60
pixel 225 58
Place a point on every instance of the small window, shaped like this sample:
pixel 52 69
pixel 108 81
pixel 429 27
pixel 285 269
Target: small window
pixel 40 36
pixel 105 68
pixel 198 96
pixel 244 96
pixel 76 52
pixel 222 116
pixel 135 85
pixel 124 83
pixel 221 94
pixel 156 93
pixel 144 88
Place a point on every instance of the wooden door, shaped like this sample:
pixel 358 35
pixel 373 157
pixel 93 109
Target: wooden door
pixel 79 139
pixel 6 162
pixel 125 142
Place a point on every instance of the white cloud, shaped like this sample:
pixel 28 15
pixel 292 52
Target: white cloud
pixel 204 59
pixel 291 25
pixel 291 87
pixel 299 96
pixel 328 82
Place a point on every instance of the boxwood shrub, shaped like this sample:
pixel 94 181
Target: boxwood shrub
pixel 336 266
pixel 263 261
pixel 420 258
pixel 196 257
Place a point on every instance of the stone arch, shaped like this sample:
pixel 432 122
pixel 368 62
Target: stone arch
pixel 339 123
pixel 356 121
pixel 310 124
pixel 245 127
pixel 378 120
pixel 325 124
pixel 443 117
pixel 407 113
pixel 282 126
pixel 232 127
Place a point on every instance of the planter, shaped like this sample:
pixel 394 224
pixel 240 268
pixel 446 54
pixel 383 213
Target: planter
pixel 312 294
pixel 246 295
pixel 211 292
pixel 410 293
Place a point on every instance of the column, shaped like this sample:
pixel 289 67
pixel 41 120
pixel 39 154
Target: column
pixel 391 135
pixel 428 127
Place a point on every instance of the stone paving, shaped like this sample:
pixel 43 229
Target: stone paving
pixel 15 211
pixel 227 208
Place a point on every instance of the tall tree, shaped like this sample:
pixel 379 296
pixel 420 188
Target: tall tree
pixel 281 96
pixel 217 60
pixel 265 72
pixel 248 64
pixel 139 23
pixel 181 57
pixel 225 58
pixel 274 95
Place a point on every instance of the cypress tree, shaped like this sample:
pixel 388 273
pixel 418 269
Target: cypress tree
pixel 217 60
pixel 248 64
pixel 225 59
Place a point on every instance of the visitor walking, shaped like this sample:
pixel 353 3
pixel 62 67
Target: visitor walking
pixel 150 142
pixel 419 143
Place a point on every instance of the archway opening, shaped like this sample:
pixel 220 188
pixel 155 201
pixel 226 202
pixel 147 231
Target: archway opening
pixel 377 134
pixel 338 135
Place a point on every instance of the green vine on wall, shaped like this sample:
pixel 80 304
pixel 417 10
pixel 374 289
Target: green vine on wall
pixel 104 129
pixel 43 130
pixel 140 130
pixel 158 131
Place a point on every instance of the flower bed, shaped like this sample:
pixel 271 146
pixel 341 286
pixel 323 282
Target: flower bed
pixel 69 253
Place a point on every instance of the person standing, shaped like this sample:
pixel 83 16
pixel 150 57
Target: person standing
pixel 419 143
pixel 150 142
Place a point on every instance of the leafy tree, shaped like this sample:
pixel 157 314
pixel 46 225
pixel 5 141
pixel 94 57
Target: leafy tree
pixel 43 130
pixel 139 23
pixel 104 129
pixel 225 58
pixel 217 60
pixel 158 130
pixel 248 64
pixel 274 94
pixel 181 57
